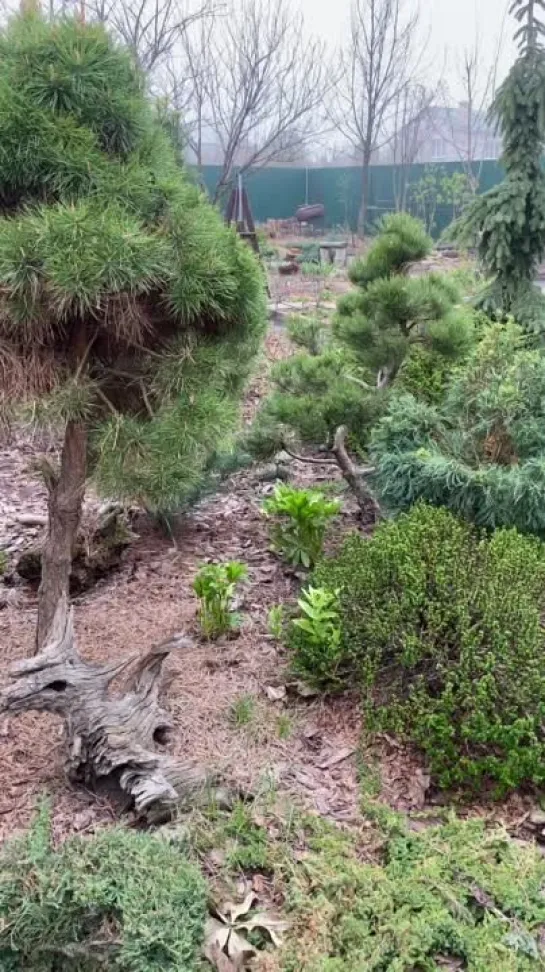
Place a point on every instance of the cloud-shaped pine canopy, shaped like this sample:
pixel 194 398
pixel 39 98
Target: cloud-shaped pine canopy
pixel 107 245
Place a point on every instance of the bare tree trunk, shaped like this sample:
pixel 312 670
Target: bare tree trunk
pixel 66 491
pixel 364 204
pixel 354 477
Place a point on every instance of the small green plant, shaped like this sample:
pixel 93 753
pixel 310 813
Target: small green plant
pixel 3 562
pixel 215 586
pixel 247 842
pixel 284 727
pixel 442 626
pixel 317 269
pixel 242 711
pixel 315 637
pixel 310 254
pixel 300 521
pixel 275 621
pixel 306 332
pixel 123 896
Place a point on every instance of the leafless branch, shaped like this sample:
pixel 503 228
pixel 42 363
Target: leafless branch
pixel 409 131
pixel 378 62
pixel 257 84
pixel 151 28
pixel 464 126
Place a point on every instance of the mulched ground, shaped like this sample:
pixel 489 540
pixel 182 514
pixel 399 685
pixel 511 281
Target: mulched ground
pixel 150 599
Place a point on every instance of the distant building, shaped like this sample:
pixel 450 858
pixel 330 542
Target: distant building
pixel 448 134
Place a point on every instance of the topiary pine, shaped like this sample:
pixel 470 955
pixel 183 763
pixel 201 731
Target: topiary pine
pixel 480 452
pixel 375 328
pixel 508 222
pixel 391 311
pixel 127 309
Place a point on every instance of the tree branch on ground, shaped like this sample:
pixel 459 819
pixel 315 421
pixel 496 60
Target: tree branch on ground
pixel 111 741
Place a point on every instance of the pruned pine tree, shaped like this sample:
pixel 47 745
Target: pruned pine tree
pixel 389 321
pixel 508 222
pixel 390 311
pixel 128 313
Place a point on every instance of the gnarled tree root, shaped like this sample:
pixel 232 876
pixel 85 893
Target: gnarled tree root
pixel 112 740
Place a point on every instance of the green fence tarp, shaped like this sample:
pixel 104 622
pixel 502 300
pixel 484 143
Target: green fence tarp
pixel 275 193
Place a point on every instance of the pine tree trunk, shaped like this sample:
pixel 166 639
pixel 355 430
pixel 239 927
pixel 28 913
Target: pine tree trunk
pixel 66 492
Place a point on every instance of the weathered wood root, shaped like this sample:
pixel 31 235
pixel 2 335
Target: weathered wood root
pixel 112 740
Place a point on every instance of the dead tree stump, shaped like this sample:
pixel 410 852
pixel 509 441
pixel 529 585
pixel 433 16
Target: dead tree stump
pixel 111 740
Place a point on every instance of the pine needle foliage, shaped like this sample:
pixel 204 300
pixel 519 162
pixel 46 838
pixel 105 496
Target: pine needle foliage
pixel 508 222
pixel 115 272
pixel 400 241
pixel 481 451
pixel 390 312
pixel 124 900
pixel 443 628
pixel 376 327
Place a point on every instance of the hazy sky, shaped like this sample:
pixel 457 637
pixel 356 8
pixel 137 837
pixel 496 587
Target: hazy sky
pixel 449 26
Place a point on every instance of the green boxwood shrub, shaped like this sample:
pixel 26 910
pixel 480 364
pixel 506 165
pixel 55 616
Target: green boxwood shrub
pixel 120 900
pixel 442 625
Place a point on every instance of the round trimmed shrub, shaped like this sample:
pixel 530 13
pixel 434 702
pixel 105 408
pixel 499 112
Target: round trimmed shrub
pixel 442 625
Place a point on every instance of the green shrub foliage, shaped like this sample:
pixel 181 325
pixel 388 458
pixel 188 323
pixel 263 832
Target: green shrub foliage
pixel 400 240
pixel 508 222
pixel 312 395
pixel 124 898
pixel 456 896
pixel 481 452
pixel 124 299
pixel 443 626
pixel 299 519
pixel 377 327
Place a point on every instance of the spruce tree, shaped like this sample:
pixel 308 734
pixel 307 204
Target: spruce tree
pixel 508 222
pixel 128 312
pixel 481 452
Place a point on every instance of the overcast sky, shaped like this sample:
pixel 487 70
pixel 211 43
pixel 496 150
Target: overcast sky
pixel 450 26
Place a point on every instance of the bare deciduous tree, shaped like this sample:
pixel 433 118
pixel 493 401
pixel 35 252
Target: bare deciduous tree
pixel 186 83
pixel 151 28
pixel 409 129
pixel 377 64
pixel 465 127
pixel 263 86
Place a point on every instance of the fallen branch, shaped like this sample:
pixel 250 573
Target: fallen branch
pixel 353 476
pixel 309 459
pixel 112 741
